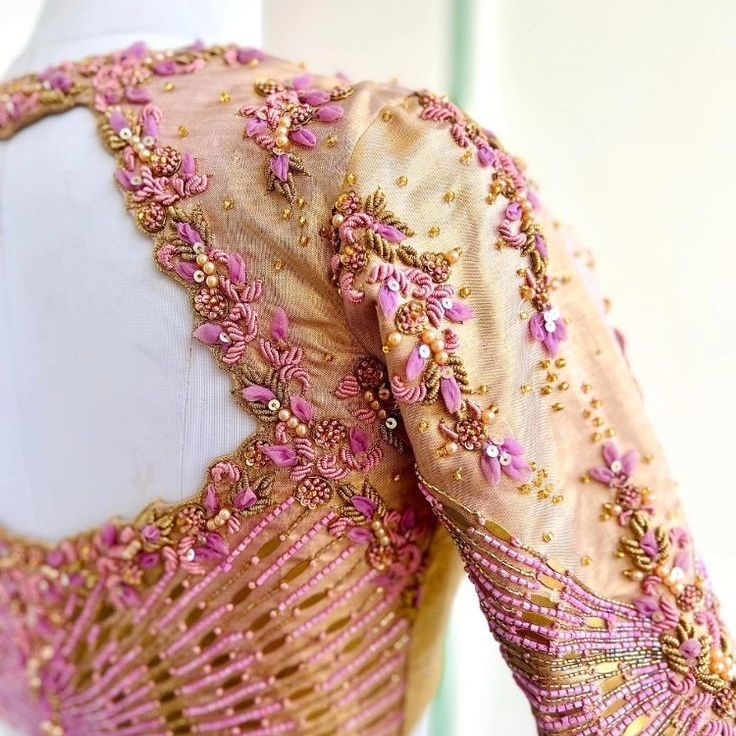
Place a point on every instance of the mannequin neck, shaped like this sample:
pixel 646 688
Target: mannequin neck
pixel 83 27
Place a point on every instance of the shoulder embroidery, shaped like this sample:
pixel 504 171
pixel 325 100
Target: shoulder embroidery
pixel 519 228
pixel 414 294
pixel 283 123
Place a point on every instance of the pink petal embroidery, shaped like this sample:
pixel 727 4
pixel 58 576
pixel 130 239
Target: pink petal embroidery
pixel 450 391
pixel 536 327
pixel 602 475
pixel 415 365
pixel 359 440
pixel 388 301
pixel 245 499
pixel 629 461
pixel 304 137
pixel 282 455
pixel 236 266
pixel 258 393
pixel 280 166
pixel 255 126
pixel 459 312
pixel 364 505
pixel 302 408
pixel 280 324
pixel 610 452
pixel 188 166
pixel 360 535
pixel 392 234
pixel 208 333
pixel 188 234
pixel 330 113
pixel 316 97
pixel 491 469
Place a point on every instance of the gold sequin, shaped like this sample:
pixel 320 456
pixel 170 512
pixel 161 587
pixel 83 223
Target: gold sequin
pixel 278 264
pixel 286 213
pixel 304 240
pixel 586 561
pixel 351 180
pixel 465 292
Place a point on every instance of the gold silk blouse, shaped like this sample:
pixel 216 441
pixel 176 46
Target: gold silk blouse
pixel 434 383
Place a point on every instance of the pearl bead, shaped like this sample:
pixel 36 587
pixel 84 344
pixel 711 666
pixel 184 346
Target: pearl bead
pixel 394 339
pixel 202 259
pixel 451 448
pixel 282 141
pixel 441 358
pixel 438 346
pixel 337 219
pixel 212 281
pixel 292 422
pixel 302 430
pixel 284 415
pixel 286 121
pixel 487 415
pixel 429 336
pixel 209 268
pixel 453 256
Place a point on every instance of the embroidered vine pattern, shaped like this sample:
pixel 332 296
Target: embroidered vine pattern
pixel 413 293
pixel 675 592
pixel 518 229
pixel 108 81
pixel 283 124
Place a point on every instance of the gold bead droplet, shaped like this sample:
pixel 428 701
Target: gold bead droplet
pixel 327 357
pixel 449 197
pixel 586 561
pixel 331 141
pixel 278 264
pixel 169 87
pixel 548 537
pixel 433 232
pixel 302 221
pixel 183 131
pixel 225 97
pixel 402 181
pixel 286 213
pixel 387 116
pixel 228 204
pixel 304 241
pixel 465 292
pixel 351 180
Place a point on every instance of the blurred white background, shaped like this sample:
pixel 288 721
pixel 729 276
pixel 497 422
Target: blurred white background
pixel 626 115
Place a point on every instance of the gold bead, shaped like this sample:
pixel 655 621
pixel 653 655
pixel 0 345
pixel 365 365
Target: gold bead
pixel 351 179
pixel 423 427
pixel 548 537
pixel 183 131
pixel 286 213
pixel 437 346
pixel 429 336
pixel 586 561
pixel 278 264
pixel 209 268
pixel 465 292
pixel 489 414
pixel 292 422
pixel 337 219
pixel 328 357
pixel 451 448
pixel 387 115
pixel 284 415
pixel 449 197
pixel 225 97
pixel 212 281
pixel 453 256
pixel 302 430
pixel 304 240
pixel 202 259
pixel 301 202
pixel 302 221
pixel 228 204
pixel 458 474
pixel 168 87
pixel 433 232
pixel 441 358
pixel 331 141
pixel 394 339
pixel 402 181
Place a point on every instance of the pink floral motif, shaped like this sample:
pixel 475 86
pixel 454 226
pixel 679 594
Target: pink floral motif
pixel 283 121
pixel 549 329
pixel 471 432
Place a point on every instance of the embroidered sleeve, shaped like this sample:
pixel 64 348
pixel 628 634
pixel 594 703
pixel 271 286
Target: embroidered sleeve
pixel 529 433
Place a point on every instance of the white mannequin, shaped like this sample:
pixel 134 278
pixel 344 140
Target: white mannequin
pixel 106 402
